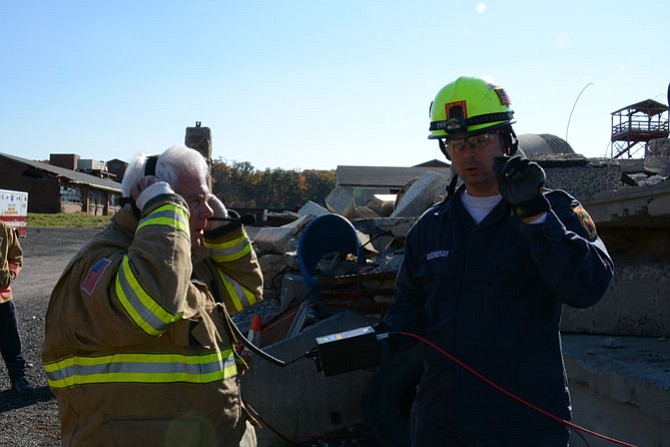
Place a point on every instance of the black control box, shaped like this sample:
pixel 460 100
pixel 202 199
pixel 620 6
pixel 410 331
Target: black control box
pixel 348 351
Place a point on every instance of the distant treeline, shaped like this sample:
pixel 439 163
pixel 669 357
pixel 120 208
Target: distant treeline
pixel 240 185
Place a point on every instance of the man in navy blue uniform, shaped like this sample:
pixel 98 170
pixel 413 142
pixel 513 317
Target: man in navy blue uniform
pixel 485 275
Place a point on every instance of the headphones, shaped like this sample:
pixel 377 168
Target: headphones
pixel 150 165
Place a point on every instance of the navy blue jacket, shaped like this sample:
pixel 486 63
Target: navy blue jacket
pixel 492 295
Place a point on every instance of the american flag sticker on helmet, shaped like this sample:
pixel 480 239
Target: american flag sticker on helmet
pixel 504 97
pixel 94 275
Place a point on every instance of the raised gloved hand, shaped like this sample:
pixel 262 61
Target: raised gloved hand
pixel 520 182
pixel 217 206
pixel 220 212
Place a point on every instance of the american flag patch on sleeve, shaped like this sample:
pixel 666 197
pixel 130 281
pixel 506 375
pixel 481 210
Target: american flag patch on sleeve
pixel 94 275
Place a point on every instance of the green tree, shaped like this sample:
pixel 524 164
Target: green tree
pixel 241 185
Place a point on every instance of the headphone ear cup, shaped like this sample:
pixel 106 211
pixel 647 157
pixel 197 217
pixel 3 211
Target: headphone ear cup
pixel 510 141
pixel 150 165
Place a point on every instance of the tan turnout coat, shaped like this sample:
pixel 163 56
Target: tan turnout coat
pixel 11 260
pixel 137 349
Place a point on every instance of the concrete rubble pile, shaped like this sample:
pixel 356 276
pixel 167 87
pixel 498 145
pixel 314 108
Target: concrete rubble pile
pixel 619 195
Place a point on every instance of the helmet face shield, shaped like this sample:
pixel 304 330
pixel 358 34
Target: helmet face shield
pixel 469 105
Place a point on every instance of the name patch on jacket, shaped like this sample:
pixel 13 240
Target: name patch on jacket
pixel 437 254
pixel 94 275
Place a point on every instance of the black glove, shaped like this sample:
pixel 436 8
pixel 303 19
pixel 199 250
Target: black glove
pixel 520 182
pixel 382 327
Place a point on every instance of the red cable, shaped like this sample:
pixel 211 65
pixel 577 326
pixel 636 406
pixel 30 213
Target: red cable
pixel 513 396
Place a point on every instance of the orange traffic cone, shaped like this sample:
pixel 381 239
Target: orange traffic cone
pixel 254 334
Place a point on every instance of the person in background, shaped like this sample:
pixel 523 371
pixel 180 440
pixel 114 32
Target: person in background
pixel 484 277
pixel 138 346
pixel 11 261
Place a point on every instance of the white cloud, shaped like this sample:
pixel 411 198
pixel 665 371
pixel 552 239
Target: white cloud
pixel 481 8
pixel 563 40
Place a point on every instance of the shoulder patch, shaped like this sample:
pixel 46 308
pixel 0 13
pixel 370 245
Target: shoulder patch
pixel 586 221
pixel 94 275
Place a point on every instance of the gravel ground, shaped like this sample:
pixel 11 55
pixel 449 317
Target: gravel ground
pixel 33 420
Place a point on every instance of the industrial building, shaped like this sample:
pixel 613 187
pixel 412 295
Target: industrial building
pixel 52 188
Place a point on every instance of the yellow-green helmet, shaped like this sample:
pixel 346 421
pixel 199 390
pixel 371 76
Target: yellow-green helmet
pixel 469 105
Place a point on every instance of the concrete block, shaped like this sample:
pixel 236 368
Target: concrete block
pixel 312 208
pixel 394 226
pixel 382 204
pixel 291 260
pixel 386 231
pixel 272 264
pixel 657 159
pixel 365 212
pixel 637 303
pixel 421 195
pixel 644 206
pixel 293 289
pixel 341 201
pixel 582 177
pixel 659 147
pixel 299 401
pixel 620 387
pixel 281 239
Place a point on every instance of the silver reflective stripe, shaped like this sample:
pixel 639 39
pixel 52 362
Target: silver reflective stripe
pixel 143 309
pixel 240 296
pixel 229 251
pixel 170 215
pixel 141 368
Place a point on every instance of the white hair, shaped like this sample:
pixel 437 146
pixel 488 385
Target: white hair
pixel 170 164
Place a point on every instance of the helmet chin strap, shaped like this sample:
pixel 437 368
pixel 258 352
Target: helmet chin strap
pixel 510 141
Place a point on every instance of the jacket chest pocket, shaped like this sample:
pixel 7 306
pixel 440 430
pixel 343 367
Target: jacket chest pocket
pixel 440 282
pixel 516 288
pixel 511 258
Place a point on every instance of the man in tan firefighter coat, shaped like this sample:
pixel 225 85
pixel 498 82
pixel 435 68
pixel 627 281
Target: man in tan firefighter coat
pixel 137 347
pixel 11 262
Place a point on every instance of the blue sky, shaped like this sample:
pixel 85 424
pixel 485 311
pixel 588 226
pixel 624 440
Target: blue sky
pixel 314 84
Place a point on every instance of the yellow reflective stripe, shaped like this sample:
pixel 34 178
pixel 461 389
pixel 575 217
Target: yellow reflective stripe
pixel 230 250
pixel 241 296
pixel 170 214
pixel 145 311
pixel 141 368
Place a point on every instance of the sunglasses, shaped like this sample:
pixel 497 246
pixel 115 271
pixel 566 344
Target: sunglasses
pixel 458 145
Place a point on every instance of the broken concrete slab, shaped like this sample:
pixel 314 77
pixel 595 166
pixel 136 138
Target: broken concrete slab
pixel 364 211
pixel 341 201
pixel 642 206
pixel 293 290
pixel 394 226
pixel 312 208
pixel 281 239
pixel 272 265
pixel 299 401
pixel 620 386
pixel 382 204
pixel 421 195
pixel 657 159
pixel 384 232
pixel 637 303
pixel 582 177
